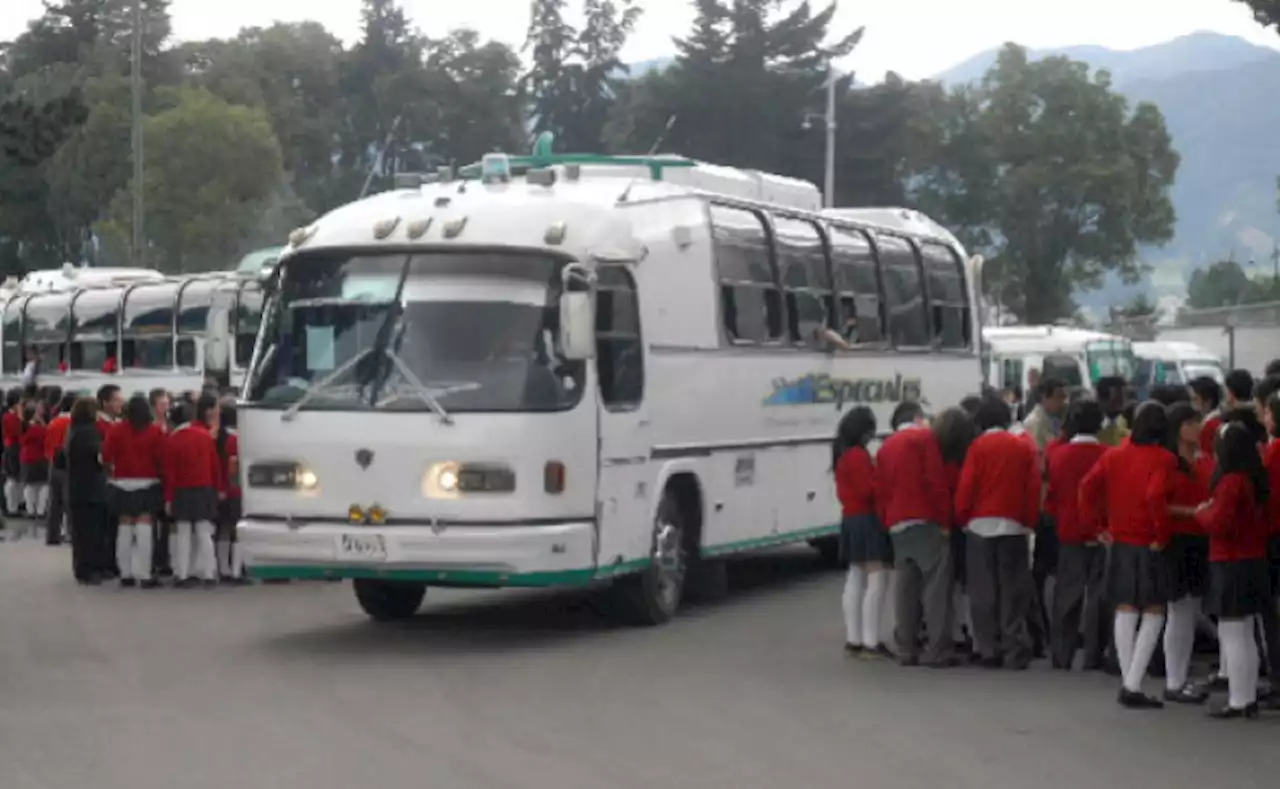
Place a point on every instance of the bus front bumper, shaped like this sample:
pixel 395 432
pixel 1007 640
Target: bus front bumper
pixel 542 554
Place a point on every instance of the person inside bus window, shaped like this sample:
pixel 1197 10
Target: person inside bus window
pixel 1110 391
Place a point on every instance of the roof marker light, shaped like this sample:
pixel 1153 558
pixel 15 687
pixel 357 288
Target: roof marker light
pixel 555 234
pixel 418 228
pixel 495 168
pixel 302 235
pixel 541 177
pixel 453 228
pixel 385 227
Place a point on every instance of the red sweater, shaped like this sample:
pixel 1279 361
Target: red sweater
pixel 1069 463
pixel 191 461
pixel 230 463
pixel 134 454
pixel 1126 494
pixel 910 484
pixel 1271 459
pixel 1000 479
pixel 33 444
pixel 104 426
pixel 855 480
pixel 1190 490
pixel 1209 434
pixel 1235 522
pixel 11 424
pixel 56 435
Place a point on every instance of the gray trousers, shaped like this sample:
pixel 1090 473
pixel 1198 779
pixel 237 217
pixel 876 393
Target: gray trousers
pixel 922 560
pixel 1001 593
pixel 1079 604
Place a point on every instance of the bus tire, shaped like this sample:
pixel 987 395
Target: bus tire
pixel 828 549
pixel 653 596
pixel 389 601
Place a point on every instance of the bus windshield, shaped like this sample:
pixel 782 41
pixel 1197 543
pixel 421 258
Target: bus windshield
pixel 1111 358
pixel 473 331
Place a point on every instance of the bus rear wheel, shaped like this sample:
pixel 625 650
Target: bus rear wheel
pixel 653 596
pixel 389 601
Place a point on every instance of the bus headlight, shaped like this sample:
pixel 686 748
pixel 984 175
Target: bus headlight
pixel 450 480
pixel 281 475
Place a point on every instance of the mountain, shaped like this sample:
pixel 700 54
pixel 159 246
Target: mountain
pixel 1218 95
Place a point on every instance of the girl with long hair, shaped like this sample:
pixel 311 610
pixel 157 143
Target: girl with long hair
pixel 1236 520
pixel 35 468
pixel 134 455
pixel 863 543
pixel 194 484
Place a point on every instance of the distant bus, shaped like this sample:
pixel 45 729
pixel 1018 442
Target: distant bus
pixel 1077 357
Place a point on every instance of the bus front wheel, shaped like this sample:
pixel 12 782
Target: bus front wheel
pixel 652 597
pixel 389 601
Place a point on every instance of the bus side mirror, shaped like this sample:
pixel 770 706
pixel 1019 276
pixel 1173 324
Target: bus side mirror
pixel 577 326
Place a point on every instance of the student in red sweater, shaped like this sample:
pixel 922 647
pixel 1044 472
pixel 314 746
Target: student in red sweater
pixel 11 426
pixel 230 565
pixel 863 542
pixel 55 439
pixel 193 486
pixel 1080 589
pixel 35 469
pixel 1188 551
pixel 1206 396
pixel 1236 520
pixel 912 501
pixel 998 503
pixel 134 454
pixel 955 432
pixel 1126 498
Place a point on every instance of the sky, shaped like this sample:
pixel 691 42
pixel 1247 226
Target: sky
pixel 916 38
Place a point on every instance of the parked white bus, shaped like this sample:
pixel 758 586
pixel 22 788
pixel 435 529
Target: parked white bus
pixel 1077 357
pixel 133 328
pixel 1174 363
pixel 577 370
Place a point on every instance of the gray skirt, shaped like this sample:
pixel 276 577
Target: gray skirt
pixel 863 540
pixel 195 504
pixel 134 504
pixel 1238 589
pixel 1139 577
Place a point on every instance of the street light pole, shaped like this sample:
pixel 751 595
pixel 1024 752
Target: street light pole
pixel 829 180
pixel 138 245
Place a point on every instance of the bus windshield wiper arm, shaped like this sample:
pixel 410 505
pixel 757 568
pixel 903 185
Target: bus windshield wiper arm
pixel 382 341
pixel 322 384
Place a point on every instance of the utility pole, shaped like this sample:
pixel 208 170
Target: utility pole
pixel 139 242
pixel 829 181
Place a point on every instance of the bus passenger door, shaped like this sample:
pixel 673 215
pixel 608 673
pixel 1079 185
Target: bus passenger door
pixel 624 494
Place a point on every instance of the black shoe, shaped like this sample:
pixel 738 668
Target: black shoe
pixel 1187 694
pixel 127 583
pixel 1111 668
pixel 185 583
pixel 150 583
pixel 951 661
pixel 1138 701
pixel 240 580
pixel 991 663
pixel 210 583
pixel 1215 681
pixel 1226 711
pixel 852 650
pixel 92 580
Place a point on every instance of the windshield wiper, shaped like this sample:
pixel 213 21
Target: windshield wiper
pixel 382 340
pixel 322 384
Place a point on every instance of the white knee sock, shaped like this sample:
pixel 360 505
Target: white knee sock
pixel 124 550
pixel 1179 641
pixel 1145 646
pixel 1235 638
pixel 180 550
pixel 224 557
pixel 142 545
pixel 872 606
pixel 206 558
pixel 42 499
pixel 1126 632
pixel 31 494
pixel 237 561
pixel 12 495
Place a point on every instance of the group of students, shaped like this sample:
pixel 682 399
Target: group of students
pixel 1147 516
pixel 148 485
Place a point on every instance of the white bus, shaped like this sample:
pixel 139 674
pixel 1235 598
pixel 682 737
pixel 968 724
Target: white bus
pixel 579 370
pixel 1077 357
pixel 1174 363
pixel 137 331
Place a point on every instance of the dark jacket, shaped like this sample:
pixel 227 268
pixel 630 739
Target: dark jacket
pixel 86 480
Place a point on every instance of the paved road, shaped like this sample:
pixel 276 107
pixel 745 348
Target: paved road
pixel 290 687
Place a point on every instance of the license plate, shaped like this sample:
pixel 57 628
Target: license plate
pixel 362 547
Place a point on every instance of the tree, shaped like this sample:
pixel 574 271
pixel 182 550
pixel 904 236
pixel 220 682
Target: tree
pixel 476 84
pixel 1044 170
pixel 574 73
pixel 1227 284
pixel 1267 12
pixel 211 168
pixel 886 133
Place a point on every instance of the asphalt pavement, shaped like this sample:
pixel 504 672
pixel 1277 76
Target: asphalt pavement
pixel 291 687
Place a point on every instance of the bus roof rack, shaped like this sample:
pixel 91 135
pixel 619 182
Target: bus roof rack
pixel 542 156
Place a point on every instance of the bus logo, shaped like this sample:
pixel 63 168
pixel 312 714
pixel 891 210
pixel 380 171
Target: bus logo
pixel 821 388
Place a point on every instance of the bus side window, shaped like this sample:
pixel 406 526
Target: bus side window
pixel 1012 373
pixel 806 284
pixel 857 284
pixel 944 276
pixel 904 293
pixel 248 319
pixel 749 299
pixel 186 352
pixel 619 349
